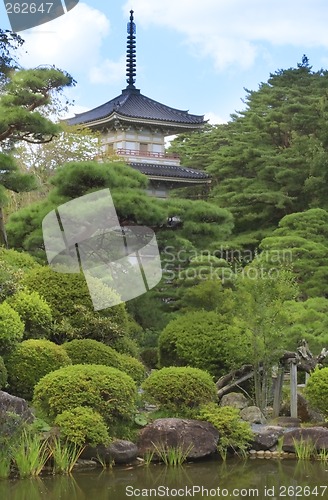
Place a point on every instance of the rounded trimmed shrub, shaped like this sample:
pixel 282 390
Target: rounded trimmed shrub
pixel 11 328
pixel 109 391
pixel 316 390
pixel 89 351
pixel 18 260
pixel 204 340
pixel 3 374
pixel 34 312
pixel 82 425
pixel 179 388
pixel 30 361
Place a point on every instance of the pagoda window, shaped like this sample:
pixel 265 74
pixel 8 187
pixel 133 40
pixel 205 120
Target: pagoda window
pixel 143 147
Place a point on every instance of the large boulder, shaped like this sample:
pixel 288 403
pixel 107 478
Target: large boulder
pixel 12 404
pixel 266 436
pixel 119 451
pixel 198 437
pixel 306 413
pixel 253 415
pixel 317 435
pixel 234 399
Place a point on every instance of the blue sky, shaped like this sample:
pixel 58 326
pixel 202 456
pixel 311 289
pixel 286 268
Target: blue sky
pixel 191 54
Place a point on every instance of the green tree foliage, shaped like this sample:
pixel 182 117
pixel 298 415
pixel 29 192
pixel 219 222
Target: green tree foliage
pixel 179 389
pixel 3 374
pixel 317 390
pixel 30 361
pixel 92 352
pixel 300 243
pixel 307 320
pixel 108 391
pixel 24 97
pixel 271 159
pixel 11 328
pixel 202 221
pixel 34 312
pixel 82 425
pixel 260 300
pixel 205 340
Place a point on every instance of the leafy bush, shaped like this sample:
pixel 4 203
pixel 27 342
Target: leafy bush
pixel 316 390
pixel 3 374
pixel 109 391
pixel 205 340
pixel 179 389
pixel 34 312
pixel 82 425
pixel 234 432
pixel 88 351
pixel 71 306
pixel 11 328
pixel 30 361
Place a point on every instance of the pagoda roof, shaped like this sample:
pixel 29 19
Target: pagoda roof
pixel 131 104
pixel 154 170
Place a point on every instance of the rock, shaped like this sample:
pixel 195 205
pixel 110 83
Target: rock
pixel 234 399
pixel 288 422
pixel 201 437
pixel 253 415
pixel 85 464
pixel 317 435
pixel 13 404
pixel 265 437
pixel 119 452
pixel 306 413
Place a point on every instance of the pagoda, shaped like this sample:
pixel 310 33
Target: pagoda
pixel 133 127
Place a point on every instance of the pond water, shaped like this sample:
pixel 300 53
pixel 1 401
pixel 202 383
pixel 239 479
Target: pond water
pixel 262 479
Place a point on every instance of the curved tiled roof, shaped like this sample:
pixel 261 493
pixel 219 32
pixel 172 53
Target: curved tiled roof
pixel 132 104
pixel 160 170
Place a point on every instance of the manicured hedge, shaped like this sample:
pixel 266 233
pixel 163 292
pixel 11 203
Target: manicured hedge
pixel 34 312
pixel 30 361
pixel 316 390
pixel 89 351
pixel 82 425
pixel 11 328
pixel 109 391
pixel 178 389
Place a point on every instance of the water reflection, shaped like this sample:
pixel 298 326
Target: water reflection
pixel 241 479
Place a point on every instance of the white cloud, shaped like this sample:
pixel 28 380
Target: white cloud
pixel 108 71
pixel 69 42
pixel 234 31
pixel 214 119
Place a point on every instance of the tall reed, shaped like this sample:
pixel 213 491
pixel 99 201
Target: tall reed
pixel 5 463
pixel 30 454
pixel 65 455
pixel 172 455
pixel 304 449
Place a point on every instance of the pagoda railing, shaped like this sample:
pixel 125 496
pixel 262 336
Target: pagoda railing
pixel 145 154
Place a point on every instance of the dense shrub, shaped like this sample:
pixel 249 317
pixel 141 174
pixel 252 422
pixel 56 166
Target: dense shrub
pixel 206 341
pixel 72 309
pixel 82 425
pixel 109 391
pixel 179 389
pixel 18 260
pixel 316 390
pixel 30 361
pixel 88 351
pixel 11 328
pixel 3 374
pixel 235 434
pixel 34 312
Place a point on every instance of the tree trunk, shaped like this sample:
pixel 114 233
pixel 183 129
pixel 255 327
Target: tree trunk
pixel 3 232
